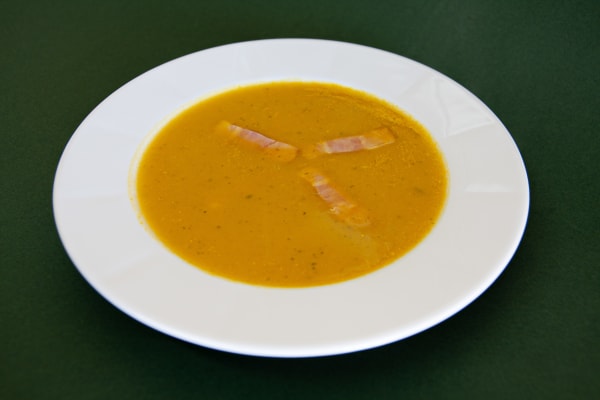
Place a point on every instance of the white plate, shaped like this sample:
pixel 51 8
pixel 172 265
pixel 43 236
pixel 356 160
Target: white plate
pixel 472 243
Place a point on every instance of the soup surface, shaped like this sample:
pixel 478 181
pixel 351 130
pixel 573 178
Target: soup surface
pixel 290 184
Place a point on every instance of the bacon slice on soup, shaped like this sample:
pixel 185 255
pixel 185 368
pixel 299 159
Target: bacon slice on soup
pixel 275 149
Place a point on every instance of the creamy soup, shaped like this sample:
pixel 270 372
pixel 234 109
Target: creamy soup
pixel 290 184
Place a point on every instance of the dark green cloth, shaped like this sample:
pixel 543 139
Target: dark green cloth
pixel 535 334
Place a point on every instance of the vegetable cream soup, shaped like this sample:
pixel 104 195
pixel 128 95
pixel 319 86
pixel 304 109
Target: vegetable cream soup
pixel 290 184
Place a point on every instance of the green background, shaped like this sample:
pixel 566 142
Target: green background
pixel 533 335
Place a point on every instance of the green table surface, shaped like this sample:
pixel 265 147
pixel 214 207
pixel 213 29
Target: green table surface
pixel 535 334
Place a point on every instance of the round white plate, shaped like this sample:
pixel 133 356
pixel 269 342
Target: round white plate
pixel 475 238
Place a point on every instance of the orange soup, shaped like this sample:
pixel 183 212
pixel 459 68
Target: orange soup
pixel 290 184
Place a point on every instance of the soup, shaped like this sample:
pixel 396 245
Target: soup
pixel 290 184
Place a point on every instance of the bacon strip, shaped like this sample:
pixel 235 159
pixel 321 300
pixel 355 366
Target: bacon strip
pixel 340 206
pixel 367 141
pixel 280 151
